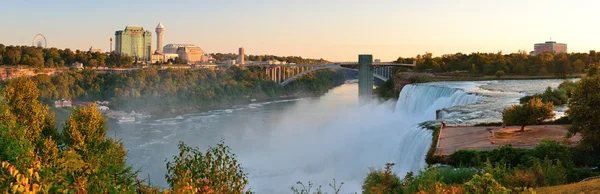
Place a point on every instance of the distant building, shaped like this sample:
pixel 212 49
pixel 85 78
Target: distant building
pixel 134 42
pixel 77 65
pixel 187 52
pixel 549 46
pixel 241 55
pixel 160 29
pixel 92 50
pixel 62 103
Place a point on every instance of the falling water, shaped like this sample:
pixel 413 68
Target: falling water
pixel 279 143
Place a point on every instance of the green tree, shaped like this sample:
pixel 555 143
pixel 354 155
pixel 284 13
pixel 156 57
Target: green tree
pixel 217 170
pixel 584 111
pixel 499 74
pixel 529 113
pixel 22 95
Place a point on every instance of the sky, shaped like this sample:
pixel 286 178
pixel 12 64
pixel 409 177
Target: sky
pixel 335 30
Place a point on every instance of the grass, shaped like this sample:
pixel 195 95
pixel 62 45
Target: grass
pixel 591 186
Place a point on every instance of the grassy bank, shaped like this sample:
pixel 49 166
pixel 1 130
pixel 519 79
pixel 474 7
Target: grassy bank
pixel 591 186
pixel 430 158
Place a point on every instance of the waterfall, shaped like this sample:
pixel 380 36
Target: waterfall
pixel 322 139
pixel 416 104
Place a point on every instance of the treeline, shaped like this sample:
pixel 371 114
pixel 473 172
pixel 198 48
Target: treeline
pixel 150 88
pixel 220 57
pixel 38 57
pixel 515 63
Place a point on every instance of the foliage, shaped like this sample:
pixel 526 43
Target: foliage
pixel 381 181
pixel 584 111
pixel 430 158
pixel 456 175
pixel 21 95
pixel 387 90
pixel 484 184
pixel 28 181
pixel 179 88
pixel 533 112
pixel 89 163
pixel 499 73
pixel 307 189
pixel 216 171
pixel 38 57
pixel 520 63
pixel 558 96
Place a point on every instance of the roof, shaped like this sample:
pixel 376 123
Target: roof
pixel 133 28
pixel 160 26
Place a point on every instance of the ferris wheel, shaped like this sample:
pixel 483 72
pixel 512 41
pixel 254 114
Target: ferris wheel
pixel 39 40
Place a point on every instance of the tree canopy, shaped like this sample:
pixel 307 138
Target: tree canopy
pixel 532 112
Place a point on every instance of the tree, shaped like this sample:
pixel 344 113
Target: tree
pixel 499 73
pixel 584 111
pixel 22 95
pixel 215 171
pixel 84 128
pixel 529 113
pixel 578 66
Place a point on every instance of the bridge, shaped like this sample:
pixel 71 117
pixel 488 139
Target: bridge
pixel 367 71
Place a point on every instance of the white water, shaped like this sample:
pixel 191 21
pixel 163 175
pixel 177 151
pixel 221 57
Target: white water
pixel 279 143
pixel 356 138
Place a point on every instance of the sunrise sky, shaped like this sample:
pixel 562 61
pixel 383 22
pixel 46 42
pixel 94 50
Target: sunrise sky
pixel 336 30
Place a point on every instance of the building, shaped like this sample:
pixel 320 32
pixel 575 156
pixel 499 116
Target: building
pixel 187 52
pixel 93 50
pixel 134 42
pixel 241 56
pixel 549 46
pixel 160 29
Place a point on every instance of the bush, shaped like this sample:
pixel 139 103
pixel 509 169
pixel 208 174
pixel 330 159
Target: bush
pixel 456 175
pixel 381 181
pixel 468 158
pixel 484 184
pixel 215 171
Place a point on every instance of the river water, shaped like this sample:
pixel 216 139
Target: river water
pixel 318 139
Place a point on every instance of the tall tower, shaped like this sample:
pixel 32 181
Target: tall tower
pixel 160 29
pixel 241 56
pixel 110 45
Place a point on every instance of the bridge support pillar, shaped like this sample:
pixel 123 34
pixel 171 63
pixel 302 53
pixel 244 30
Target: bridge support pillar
pixel 365 77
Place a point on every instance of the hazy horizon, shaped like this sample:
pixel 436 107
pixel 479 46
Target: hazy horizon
pixel 334 30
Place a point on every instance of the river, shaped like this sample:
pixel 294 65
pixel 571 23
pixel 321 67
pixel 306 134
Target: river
pixel 318 139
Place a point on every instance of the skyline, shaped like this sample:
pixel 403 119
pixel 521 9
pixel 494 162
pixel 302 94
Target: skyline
pixel 334 30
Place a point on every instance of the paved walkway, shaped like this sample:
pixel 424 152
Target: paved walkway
pixel 453 139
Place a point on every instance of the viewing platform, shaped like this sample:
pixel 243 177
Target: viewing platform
pixel 453 139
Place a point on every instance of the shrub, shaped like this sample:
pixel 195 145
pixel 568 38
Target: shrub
pixel 469 158
pixel 521 178
pixel 484 184
pixel 215 171
pixel 456 175
pixel 381 181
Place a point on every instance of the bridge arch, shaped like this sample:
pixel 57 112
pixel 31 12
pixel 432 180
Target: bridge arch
pixel 289 80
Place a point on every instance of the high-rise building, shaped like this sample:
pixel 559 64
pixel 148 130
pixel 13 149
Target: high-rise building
pixel 241 56
pixel 160 29
pixel 134 42
pixel 549 46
